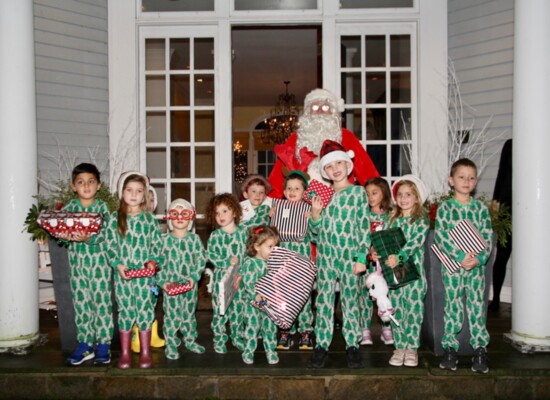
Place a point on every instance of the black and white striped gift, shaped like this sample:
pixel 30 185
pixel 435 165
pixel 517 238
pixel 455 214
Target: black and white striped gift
pixel 291 219
pixel 286 286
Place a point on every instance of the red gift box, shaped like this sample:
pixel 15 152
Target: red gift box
pixel 318 189
pixel 59 222
pixel 142 272
pixel 179 289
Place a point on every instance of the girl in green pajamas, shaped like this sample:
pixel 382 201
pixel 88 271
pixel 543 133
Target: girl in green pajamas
pixel 225 248
pixel 261 241
pixel 409 194
pixel 256 205
pixel 183 262
pixel 469 280
pixel 134 240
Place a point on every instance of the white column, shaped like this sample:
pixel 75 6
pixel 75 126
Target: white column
pixel 531 177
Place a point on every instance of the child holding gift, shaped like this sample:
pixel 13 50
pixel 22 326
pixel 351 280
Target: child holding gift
pixel 183 260
pixel 225 248
pixel 380 206
pixel 259 246
pixel 256 205
pixel 469 280
pixel 134 240
pixel 89 273
pixel 342 233
pixel 409 194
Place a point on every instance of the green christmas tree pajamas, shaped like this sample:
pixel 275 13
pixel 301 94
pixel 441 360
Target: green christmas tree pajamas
pixel 342 234
pixel 91 281
pixel 463 283
pixel 261 217
pixel 220 248
pixel 182 258
pixel 143 243
pixel 408 300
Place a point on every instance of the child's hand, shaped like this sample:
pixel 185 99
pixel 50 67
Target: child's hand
pixel 358 268
pixel 259 298
pixel 191 282
pixel 316 208
pixel 151 265
pixel 374 255
pixel 80 236
pixel 65 236
pixel 392 261
pixel 469 262
pixel 272 212
pixel 233 261
pixel 237 282
pixel 121 268
pixel 168 285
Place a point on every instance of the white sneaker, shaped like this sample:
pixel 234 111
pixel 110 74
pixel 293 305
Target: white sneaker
pixel 411 358
pixel 367 337
pixel 398 358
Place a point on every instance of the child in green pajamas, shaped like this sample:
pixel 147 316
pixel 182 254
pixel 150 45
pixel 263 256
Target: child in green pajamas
pixel 183 262
pixel 256 205
pixel 380 206
pixel 259 246
pixel 409 194
pixel 225 248
pixel 90 275
pixel 134 240
pixel 342 231
pixel 468 281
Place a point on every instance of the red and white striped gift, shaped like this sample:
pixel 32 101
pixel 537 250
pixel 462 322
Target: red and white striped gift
pixel 291 219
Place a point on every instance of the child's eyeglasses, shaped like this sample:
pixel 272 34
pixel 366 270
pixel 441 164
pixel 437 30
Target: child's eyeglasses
pixel 183 215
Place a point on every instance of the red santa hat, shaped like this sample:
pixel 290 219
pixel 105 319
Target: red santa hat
pixel 321 95
pixel 334 151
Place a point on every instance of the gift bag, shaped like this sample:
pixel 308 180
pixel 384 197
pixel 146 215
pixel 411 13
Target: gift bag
pixel 57 222
pixel 179 289
pixel 387 242
pixel 226 288
pixel 286 286
pixel 318 189
pixel 291 219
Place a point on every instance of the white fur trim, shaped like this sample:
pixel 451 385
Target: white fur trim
pixel 183 204
pixel 422 190
pixel 335 156
pixel 124 176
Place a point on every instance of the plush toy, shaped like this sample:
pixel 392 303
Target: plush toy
pixel 378 290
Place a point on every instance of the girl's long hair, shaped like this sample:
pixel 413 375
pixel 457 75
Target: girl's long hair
pixel 417 211
pixel 122 218
pixel 258 235
pixel 384 187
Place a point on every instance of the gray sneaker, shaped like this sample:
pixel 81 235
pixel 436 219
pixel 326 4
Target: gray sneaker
pixel 480 361
pixel 450 360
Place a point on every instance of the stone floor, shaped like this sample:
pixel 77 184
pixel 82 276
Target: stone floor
pixel 44 374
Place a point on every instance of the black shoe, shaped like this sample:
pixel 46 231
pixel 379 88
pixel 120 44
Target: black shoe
pixel 354 358
pixel 285 341
pixel 318 358
pixel 494 306
pixel 480 361
pixel 450 360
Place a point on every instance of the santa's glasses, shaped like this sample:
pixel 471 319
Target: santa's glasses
pixel 183 215
pixel 320 107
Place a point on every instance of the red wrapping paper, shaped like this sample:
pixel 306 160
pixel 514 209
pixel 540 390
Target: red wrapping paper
pixel 59 222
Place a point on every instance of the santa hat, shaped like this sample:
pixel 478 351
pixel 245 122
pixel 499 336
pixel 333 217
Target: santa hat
pixel 422 191
pixel 334 151
pixel 254 177
pixel 183 204
pixel 122 180
pixel 323 94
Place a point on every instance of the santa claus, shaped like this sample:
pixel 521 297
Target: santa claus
pixel 320 120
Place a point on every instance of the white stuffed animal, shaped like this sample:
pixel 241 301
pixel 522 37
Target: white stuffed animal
pixel 378 290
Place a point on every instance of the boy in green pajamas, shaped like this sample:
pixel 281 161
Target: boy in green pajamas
pixel 469 280
pixel 256 205
pixel 89 273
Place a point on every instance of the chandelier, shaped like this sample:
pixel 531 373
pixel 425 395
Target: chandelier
pixel 282 121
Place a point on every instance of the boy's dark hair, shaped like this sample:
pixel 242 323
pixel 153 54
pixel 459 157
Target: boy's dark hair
pixel 463 162
pixel 85 168
pixel 258 235
pixel 298 175
pixel 223 198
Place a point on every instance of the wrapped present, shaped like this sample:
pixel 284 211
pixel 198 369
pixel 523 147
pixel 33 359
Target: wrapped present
pixel 61 222
pixel 179 289
pixel 248 209
pixel 467 238
pixel 291 219
pixel 227 287
pixel 142 272
pixel 387 242
pixel 286 286
pixel 376 226
pixel 318 189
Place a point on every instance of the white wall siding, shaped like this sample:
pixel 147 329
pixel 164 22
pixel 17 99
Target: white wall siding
pixel 71 84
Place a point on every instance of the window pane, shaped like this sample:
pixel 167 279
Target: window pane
pixel 401 124
pixel 204 126
pixel 352 121
pixel 376 87
pixel 179 54
pixel 180 126
pixel 160 188
pixel 376 3
pixel 377 154
pixel 204 53
pixel 351 51
pixel 154 54
pixel 155 92
pixel 261 157
pixel 181 191
pixel 155 129
pixel 179 90
pixel 271 157
pixel 180 162
pixel 170 5
pixel 241 5
pixel 376 124
pixel 204 162
pixel 400 87
pixel 203 194
pixel 204 90
pixel 375 51
pixel 202 229
pixel 400 156
pixel 400 50
pixel 156 163
pixel 351 87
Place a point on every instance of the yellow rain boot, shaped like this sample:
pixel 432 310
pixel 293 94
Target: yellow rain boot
pixel 156 341
pixel 135 339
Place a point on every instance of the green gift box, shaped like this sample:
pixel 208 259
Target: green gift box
pixel 386 243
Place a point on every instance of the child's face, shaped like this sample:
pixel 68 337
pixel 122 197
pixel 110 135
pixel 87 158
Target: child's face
pixel 406 198
pixel 256 194
pixel 375 196
pixel 134 194
pixel 294 190
pixel 337 170
pixel 224 216
pixel 86 186
pixel 264 250
pixel 464 180
pixel 181 223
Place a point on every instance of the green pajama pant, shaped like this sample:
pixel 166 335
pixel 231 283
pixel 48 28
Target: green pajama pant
pixel 136 303
pixel 179 315
pixel 257 322
pixel 408 302
pixel 472 285
pixel 234 315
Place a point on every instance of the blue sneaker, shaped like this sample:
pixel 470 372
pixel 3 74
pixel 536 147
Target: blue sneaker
pixel 102 354
pixel 82 353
